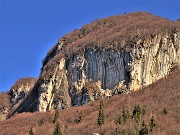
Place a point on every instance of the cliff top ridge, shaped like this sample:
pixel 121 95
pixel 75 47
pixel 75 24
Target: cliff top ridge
pixel 114 32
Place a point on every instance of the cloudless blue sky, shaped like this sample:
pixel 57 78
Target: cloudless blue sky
pixel 29 28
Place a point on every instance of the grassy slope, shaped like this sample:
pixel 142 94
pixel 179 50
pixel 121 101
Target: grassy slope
pixel 163 94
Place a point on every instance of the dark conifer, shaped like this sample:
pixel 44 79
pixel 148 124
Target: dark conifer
pixel 57 129
pixel 56 116
pixel 101 115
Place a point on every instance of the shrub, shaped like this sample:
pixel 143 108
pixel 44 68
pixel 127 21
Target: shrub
pixel 124 132
pixel 41 121
pixel 91 103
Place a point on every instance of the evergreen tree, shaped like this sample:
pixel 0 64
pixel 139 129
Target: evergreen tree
pixel 152 124
pixel 144 130
pixel 137 113
pixel 56 116
pixel 101 115
pixel 57 129
pixel 125 114
pixel 136 132
pixel 165 112
pixel 119 120
pixel 31 131
pixel 81 117
pixel 128 115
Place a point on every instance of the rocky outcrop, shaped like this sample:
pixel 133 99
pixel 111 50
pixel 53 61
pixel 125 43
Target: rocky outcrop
pixel 155 61
pixel 53 92
pixel 4 106
pixel 21 89
pixel 11 100
pixel 116 55
pixel 149 61
pixel 108 67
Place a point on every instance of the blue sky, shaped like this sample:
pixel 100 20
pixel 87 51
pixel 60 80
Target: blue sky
pixel 29 28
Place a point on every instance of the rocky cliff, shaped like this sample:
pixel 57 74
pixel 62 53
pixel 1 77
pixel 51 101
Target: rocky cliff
pixel 17 94
pixel 4 105
pixel 21 89
pixel 114 55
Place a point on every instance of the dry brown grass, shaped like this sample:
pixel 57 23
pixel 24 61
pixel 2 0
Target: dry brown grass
pixel 163 94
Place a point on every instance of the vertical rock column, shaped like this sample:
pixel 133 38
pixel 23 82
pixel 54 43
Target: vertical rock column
pixel 157 58
pixel 53 93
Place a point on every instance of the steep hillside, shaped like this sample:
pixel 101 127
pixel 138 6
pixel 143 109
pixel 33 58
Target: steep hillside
pixel 118 54
pixel 20 89
pixel 160 100
pixel 10 100
pixel 4 105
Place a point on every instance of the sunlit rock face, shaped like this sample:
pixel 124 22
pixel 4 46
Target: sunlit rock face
pixel 10 101
pixel 145 64
pixel 119 54
pixel 154 61
pixel 66 85
pixel 53 93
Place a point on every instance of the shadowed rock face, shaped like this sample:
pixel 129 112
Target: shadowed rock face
pixel 21 89
pixel 108 67
pixel 107 57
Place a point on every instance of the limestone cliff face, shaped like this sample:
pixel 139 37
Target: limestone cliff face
pixel 145 64
pixel 10 101
pixel 115 55
pixel 155 61
pixel 108 67
pixel 53 93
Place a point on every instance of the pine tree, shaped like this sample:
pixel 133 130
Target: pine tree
pixel 119 120
pixel 81 117
pixel 101 116
pixel 152 124
pixel 128 115
pixel 144 130
pixel 125 115
pixel 137 113
pixel 57 129
pixel 165 112
pixel 56 116
pixel 136 132
pixel 31 131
